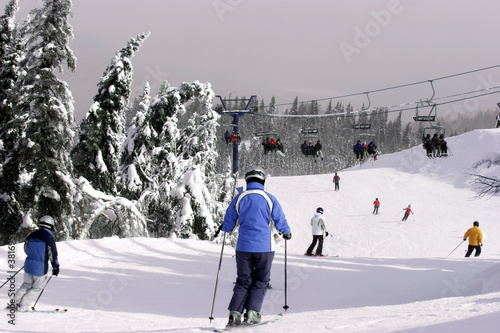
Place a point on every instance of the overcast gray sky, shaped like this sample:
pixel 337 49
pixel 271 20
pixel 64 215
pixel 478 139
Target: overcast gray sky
pixel 312 49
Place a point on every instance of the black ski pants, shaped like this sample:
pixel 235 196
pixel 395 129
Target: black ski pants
pixel 471 249
pixel 254 274
pixel 316 239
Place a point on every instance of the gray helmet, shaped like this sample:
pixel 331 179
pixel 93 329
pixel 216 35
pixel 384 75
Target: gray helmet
pixel 476 223
pixel 319 210
pixel 47 222
pixel 255 172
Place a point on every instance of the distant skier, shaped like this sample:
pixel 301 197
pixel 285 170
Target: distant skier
pixel 319 232
pixel 443 145
pixel 304 147
pixel 426 142
pixel 407 212
pixel 475 240
pixel 336 181
pixel 376 205
pixel 372 150
pixel 358 150
pixel 318 148
pixel 436 151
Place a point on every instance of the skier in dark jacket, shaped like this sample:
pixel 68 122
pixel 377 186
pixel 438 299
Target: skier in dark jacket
pixel 436 151
pixel 336 181
pixel 318 148
pixel 304 147
pixel 358 150
pixel 427 143
pixel 372 150
pixel 258 214
pixel 40 248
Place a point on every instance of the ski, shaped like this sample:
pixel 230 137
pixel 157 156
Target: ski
pixel 50 311
pixel 316 256
pixel 321 256
pixel 10 308
pixel 243 326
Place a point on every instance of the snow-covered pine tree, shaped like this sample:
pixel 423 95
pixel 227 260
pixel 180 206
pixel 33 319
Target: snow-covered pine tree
pixel 198 207
pixel 96 155
pixel 162 119
pixel 10 54
pixel 46 105
pixel 136 151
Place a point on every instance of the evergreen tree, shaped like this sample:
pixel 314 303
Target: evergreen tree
pixel 10 54
pixel 163 119
pixel 45 104
pixel 96 156
pixel 197 145
pixel 135 168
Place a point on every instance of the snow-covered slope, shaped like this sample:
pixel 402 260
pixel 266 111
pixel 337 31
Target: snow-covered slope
pixel 390 275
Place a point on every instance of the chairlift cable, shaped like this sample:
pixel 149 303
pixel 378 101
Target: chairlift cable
pixel 398 106
pixel 391 88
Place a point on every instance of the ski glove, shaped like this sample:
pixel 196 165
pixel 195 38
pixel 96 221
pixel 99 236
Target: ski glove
pixel 326 234
pixel 55 271
pixel 288 236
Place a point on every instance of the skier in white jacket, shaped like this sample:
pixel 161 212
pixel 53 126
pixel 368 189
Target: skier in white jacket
pixel 319 232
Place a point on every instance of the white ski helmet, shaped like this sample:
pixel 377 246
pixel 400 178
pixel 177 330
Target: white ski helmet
pixel 255 172
pixel 47 222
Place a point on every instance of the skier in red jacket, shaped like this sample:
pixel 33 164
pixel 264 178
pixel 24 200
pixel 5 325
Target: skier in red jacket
pixel 407 212
pixel 336 181
pixel 376 205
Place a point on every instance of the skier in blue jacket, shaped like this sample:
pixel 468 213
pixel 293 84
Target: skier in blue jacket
pixel 257 213
pixel 40 248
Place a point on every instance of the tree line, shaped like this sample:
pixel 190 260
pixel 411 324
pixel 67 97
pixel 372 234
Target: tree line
pixel 337 126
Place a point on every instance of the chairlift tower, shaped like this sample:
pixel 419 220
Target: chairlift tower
pixel 236 114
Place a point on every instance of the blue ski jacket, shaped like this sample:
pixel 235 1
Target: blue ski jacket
pixel 40 247
pixel 257 218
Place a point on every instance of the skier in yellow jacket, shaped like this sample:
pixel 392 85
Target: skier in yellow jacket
pixel 475 240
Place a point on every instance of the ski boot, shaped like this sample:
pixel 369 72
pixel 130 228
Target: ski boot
pixel 234 318
pixel 24 308
pixel 252 317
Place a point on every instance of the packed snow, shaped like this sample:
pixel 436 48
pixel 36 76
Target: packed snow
pixel 389 276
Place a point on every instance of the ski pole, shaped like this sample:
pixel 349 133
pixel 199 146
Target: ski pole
pixel 217 279
pixel 285 306
pixel 8 279
pixel 41 292
pixel 454 249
